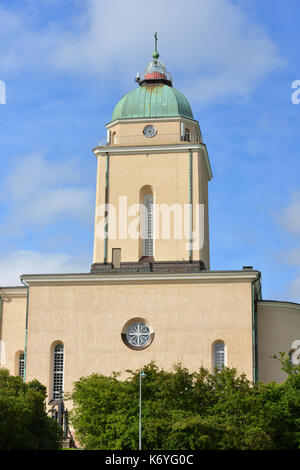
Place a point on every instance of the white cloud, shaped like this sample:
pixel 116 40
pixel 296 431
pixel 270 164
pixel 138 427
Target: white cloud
pixel 291 256
pixel 293 290
pixel 14 264
pixel 212 44
pixel 34 173
pixel 71 202
pixel 41 191
pixel 290 216
pixel 289 219
pixel 22 45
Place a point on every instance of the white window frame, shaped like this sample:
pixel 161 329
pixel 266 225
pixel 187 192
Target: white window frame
pixel 21 364
pixel 58 376
pixel 148 243
pixel 215 355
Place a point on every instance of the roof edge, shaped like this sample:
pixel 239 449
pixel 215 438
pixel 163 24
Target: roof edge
pixel 89 278
pixel 146 119
pixel 279 304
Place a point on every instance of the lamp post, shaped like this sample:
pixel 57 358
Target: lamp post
pixel 142 374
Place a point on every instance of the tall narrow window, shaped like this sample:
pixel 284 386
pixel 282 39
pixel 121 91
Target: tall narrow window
pixel 21 364
pixel 147 225
pixel 219 355
pixel 58 371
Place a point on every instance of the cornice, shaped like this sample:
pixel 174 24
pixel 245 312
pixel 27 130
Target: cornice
pixel 142 149
pixel 150 119
pixel 277 304
pixel 155 149
pixel 13 291
pixel 88 278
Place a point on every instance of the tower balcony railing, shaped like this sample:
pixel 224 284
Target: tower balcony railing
pixel 154 75
pixel 159 139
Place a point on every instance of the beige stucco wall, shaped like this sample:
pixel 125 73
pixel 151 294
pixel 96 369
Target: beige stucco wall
pixel 12 327
pixel 167 173
pixel 130 131
pixel 200 195
pixel 278 326
pixel 187 317
pixel 168 176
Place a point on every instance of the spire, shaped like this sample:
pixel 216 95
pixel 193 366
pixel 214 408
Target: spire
pixel 155 71
pixel 155 54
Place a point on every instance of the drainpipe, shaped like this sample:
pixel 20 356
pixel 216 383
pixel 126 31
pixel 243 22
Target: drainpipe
pixel 1 308
pixel 106 208
pixel 254 330
pixel 0 313
pixel 190 205
pixel 26 329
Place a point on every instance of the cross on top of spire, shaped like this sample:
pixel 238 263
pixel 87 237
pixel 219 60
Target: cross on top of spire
pixel 155 54
pixel 155 71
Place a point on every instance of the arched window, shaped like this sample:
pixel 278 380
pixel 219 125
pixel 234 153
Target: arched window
pixel 219 355
pixel 147 225
pixel 21 365
pixel 58 371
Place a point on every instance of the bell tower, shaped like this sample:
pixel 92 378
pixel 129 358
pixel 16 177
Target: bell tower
pixel 152 182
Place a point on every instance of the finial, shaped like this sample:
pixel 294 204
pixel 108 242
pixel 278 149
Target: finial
pixel 155 54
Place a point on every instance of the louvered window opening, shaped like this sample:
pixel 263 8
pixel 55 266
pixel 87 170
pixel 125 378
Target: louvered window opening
pixel 148 225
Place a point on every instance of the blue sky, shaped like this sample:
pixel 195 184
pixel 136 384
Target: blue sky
pixel 65 66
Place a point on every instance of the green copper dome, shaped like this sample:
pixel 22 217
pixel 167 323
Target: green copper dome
pixel 155 100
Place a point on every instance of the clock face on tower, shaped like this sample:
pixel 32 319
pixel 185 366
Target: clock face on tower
pixel 149 131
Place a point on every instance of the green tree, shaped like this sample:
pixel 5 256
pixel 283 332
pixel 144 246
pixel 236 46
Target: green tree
pixel 24 424
pixel 187 411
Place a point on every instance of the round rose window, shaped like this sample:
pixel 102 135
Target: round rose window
pixel 137 334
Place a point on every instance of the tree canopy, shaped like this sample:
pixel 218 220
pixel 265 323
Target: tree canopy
pixel 24 424
pixel 184 410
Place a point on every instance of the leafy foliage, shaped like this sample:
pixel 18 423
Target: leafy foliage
pixel 188 411
pixel 24 424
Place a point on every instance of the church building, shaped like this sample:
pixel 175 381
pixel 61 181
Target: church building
pixel 150 293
